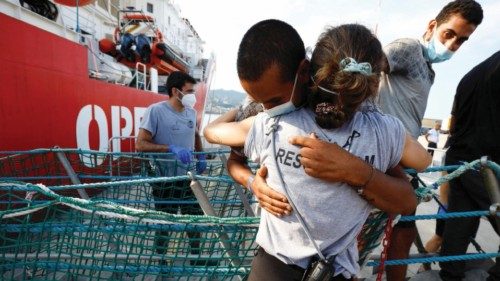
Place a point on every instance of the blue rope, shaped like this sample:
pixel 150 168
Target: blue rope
pixel 437 259
pixel 59 265
pixel 434 169
pixel 224 179
pixel 98 184
pixel 495 167
pixel 112 227
pixel 128 202
pixel 447 215
pixel 118 183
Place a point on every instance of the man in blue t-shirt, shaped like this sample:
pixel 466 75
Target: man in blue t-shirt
pixel 170 126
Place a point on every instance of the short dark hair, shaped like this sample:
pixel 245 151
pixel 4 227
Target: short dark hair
pixel 270 42
pixel 470 10
pixel 178 79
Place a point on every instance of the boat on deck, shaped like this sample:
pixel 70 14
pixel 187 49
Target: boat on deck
pixel 137 38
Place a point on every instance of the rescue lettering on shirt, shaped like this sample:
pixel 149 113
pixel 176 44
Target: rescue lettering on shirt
pixel 288 158
pixel 292 159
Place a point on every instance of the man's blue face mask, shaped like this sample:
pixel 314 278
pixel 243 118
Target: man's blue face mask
pixel 284 108
pixel 437 51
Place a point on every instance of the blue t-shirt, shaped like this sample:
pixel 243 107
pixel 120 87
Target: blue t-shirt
pixel 333 212
pixel 168 126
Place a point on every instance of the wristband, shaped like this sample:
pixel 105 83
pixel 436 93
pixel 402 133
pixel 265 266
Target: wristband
pixel 249 183
pixel 361 189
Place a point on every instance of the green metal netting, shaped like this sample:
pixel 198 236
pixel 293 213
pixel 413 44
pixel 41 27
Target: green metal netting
pixel 62 242
pixel 113 216
pixel 46 167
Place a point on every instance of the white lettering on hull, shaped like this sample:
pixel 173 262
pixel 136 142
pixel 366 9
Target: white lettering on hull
pixel 118 113
pixel 95 113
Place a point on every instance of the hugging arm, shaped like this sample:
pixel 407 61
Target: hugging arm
pixel 274 202
pixel 224 130
pixel 330 162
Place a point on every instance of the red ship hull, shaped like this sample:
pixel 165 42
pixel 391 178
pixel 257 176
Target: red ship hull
pixel 48 99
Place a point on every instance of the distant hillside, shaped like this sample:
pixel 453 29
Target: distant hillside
pixel 224 99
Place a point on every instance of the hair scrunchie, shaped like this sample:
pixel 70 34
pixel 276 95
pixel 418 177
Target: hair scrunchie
pixel 351 65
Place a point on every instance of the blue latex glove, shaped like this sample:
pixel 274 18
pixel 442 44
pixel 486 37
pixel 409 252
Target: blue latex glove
pixel 181 153
pixel 201 165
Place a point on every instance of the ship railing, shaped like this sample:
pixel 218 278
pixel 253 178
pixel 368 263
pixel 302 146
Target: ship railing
pixel 140 76
pixel 114 145
pixel 104 11
pixel 84 23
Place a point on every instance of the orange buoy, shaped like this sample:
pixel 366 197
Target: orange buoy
pixel 107 46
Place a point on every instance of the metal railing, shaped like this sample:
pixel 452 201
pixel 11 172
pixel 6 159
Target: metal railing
pixel 140 77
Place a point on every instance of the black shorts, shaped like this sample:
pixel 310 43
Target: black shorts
pixel 431 145
pixel 269 268
pixel 409 224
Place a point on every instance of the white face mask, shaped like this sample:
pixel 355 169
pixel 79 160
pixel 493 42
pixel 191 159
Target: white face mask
pixel 188 100
pixel 437 51
pixel 284 108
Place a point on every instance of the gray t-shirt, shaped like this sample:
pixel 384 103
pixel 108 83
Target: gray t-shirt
pixel 404 91
pixel 334 212
pixel 168 126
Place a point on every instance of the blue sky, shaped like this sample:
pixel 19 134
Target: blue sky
pixel 222 23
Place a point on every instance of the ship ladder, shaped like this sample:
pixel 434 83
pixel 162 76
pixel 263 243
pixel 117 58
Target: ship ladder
pixel 140 76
